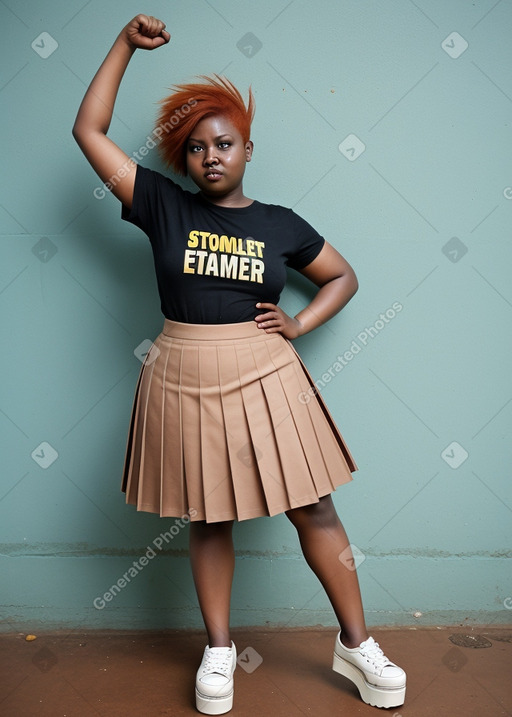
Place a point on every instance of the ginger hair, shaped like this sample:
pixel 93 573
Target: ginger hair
pixel 188 105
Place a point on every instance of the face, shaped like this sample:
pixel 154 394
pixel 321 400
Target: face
pixel 216 158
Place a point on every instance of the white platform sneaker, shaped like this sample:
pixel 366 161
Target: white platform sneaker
pixel 214 680
pixel 380 682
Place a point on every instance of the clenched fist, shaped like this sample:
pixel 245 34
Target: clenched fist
pixel 146 32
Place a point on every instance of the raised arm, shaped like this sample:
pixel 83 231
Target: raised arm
pixel 95 113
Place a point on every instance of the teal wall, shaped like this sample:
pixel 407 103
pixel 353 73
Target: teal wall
pixel 424 214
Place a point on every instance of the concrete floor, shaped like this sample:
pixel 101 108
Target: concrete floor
pixel 283 673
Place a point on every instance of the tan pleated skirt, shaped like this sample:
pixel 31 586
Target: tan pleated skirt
pixel 227 424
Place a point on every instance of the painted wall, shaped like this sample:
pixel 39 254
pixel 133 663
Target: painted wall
pixel 387 126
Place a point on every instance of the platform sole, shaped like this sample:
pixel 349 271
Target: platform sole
pixel 371 694
pixel 214 705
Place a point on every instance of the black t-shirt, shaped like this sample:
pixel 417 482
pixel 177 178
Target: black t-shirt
pixel 213 264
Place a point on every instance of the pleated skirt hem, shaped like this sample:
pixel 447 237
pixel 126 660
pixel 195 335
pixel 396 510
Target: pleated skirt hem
pixel 228 515
pixel 227 425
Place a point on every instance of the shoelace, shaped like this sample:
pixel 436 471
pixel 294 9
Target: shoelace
pixel 373 653
pixel 219 662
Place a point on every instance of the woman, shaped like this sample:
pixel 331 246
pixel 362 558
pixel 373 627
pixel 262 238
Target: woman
pixel 226 424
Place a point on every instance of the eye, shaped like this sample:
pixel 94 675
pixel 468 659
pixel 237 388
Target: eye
pixel 194 148
pixel 224 145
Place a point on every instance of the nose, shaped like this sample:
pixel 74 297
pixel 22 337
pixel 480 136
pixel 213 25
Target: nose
pixel 210 156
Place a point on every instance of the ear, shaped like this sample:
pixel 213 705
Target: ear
pixel 249 146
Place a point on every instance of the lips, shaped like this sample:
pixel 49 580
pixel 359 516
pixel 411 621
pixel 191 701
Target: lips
pixel 213 175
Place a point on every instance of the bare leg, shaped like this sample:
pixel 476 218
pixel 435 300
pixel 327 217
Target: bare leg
pixel 322 539
pixel 212 558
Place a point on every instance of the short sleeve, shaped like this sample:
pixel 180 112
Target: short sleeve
pixel 154 196
pixel 307 243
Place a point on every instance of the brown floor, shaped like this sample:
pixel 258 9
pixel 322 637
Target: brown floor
pixel 282 673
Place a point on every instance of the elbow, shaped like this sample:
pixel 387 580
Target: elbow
pixel 76 133
pixel 354 283
pixel 79 130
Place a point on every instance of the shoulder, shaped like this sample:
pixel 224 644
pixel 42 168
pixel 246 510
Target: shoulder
pixel 152 180
pixel 153 177
pixel 278 213
pixel 276 209
pixel 289 220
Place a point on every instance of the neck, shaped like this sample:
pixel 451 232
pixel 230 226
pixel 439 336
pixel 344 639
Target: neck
pixel 233 200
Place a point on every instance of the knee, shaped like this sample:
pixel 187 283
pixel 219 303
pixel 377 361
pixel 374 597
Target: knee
pixel 202 530
pixel 321 514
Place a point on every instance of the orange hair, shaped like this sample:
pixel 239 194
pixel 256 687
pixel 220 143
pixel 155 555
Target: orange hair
pixel 188 105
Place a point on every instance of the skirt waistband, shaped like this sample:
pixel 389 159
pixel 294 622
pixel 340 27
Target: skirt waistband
pixel 214 332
